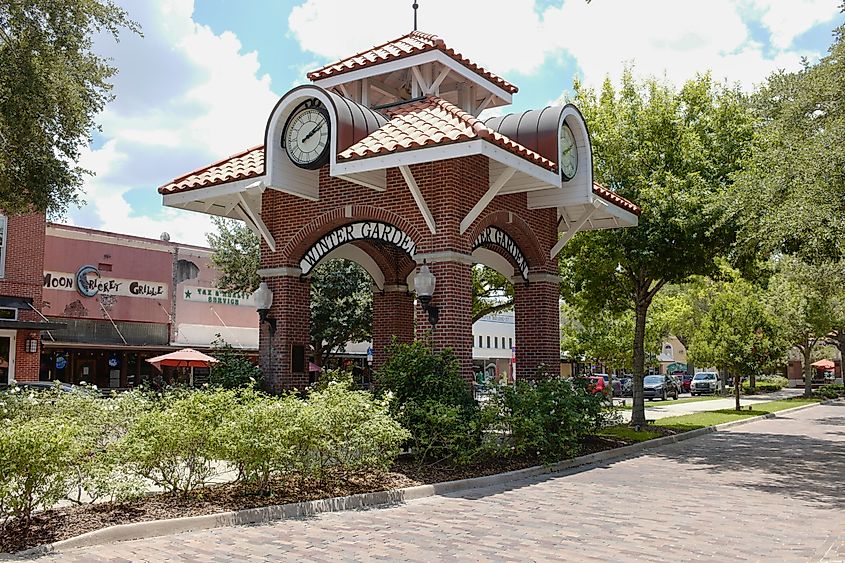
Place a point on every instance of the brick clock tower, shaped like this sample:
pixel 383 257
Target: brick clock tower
pixel 383 160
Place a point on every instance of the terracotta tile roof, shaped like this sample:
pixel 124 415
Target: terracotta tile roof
pixel 241 166
pixel 432 121
pixel 413 43
pixel 615 199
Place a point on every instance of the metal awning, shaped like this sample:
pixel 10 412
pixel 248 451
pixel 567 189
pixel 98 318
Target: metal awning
pixel 31 325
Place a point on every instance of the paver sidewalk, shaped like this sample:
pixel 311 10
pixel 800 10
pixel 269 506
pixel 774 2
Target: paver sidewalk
pixel 771 490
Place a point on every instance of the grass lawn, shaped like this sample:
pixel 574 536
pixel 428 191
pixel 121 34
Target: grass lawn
pixel 627 433
pixel 711 418
pixel 629 401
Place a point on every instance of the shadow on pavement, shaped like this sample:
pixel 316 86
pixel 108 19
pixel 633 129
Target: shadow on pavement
pixel 799 466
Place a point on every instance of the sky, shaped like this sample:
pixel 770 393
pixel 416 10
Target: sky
pixel 201 82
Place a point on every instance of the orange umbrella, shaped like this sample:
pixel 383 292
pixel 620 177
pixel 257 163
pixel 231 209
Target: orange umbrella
pixel 823 364
pixel 184 358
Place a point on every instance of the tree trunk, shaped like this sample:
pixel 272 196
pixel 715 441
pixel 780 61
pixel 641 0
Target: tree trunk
pixel 638 409
pixel 752 383
pixel 736 388
pixel 807 350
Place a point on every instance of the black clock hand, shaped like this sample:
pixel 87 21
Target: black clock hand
pixel 311 134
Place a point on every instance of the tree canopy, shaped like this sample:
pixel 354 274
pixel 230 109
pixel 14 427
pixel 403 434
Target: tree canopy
pixel 790 198
pixel 672 153
pixel 52 86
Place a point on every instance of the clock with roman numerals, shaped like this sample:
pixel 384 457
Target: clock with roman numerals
pixel 305 137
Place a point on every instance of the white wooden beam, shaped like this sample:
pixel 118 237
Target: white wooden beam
pixel 255 219
pixel 365 92
pixel 343 91
pixel 597 203
pixel 484 103
pixel 435 86
pixel 385 89
pixel 485 200
pixel 421 82
pixel 417 194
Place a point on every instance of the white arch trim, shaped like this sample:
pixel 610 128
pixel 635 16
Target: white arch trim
pixel 352 252
pixel 493 260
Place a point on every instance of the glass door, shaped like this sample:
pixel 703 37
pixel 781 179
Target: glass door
pixel 5 359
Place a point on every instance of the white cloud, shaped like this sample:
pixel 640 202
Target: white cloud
pixel 185 97
pixel 787 20
pixel 661 37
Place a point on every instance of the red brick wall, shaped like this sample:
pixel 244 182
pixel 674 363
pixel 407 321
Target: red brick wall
pixel 23 277
pixel 450 188
pixel 290 309
pixel 537 328
pixel 393 315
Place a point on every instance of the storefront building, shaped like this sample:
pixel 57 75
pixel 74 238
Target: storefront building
pixel 21 263
pixel 124 299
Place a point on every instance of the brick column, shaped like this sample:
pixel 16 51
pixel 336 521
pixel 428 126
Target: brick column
pixel 453 295
pixel 291 297
pixel 393 315
pixel 537 319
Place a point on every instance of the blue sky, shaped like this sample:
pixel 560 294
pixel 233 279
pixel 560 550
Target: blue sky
pixel 201 82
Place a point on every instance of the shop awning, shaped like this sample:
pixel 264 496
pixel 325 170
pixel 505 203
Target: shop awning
pixel 15 302
pixel 31 325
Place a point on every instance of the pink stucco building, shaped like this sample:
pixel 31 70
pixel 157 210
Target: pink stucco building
pixel 125 299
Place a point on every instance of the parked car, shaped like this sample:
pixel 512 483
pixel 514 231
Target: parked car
pixel 684 380
pixel 616 385
pixel 626 382
pixel 597 384
pixel 660 386
pixel 704 383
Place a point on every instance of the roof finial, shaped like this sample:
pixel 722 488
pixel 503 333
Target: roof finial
pixel 415 6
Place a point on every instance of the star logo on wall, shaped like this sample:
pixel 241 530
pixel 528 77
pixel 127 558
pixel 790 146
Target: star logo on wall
pixel 187 294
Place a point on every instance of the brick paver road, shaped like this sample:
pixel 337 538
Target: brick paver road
pixel 773 490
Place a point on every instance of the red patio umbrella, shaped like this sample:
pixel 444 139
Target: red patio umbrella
pixel 184 358
pixel 823 364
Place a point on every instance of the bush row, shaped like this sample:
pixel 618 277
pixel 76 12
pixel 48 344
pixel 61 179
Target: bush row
pixel 74 446
pixel 766 384
pixel 831 391
pixel 546 419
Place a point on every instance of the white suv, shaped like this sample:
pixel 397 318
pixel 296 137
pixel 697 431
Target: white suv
pixel 704 382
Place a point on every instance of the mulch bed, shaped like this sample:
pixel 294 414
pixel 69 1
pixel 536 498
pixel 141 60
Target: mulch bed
pixel 67 522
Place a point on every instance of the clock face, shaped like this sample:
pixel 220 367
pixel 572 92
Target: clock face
pixel 306 135
pixel 568 153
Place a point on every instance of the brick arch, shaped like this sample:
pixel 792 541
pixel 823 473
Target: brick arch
pixel 331 220
pixel 519 230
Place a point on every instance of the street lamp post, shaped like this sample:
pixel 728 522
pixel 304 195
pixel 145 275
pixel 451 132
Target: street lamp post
pixel 263 299
pixel 424 282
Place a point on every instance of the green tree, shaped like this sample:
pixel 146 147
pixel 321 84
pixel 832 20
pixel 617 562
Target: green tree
pixel 52 85
pixel 491 292
pixel 673 153
pixel 237 255
pixel 789 197
pixel 807 301
pixel 737 331
pixel 341 307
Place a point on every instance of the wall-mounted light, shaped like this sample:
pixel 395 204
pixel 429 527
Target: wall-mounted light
pixel 424 282
pixel 31 345
pixel 263 298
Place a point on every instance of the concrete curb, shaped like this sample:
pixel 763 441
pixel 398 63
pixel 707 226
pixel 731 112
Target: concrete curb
pixel 154 528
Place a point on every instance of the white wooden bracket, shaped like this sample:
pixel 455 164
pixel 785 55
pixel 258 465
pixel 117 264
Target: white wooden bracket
pixel 597 203
pixel 253 219
pixel 418 198
pixel 485 200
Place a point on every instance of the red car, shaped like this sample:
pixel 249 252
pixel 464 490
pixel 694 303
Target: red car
pixel 596 384
pixel 684 381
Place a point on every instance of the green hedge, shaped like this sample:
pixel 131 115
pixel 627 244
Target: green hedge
pixel 79 447
pixel 831 391
pixel 766 384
